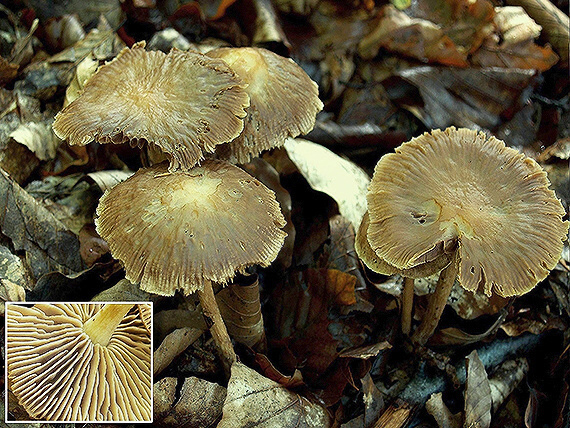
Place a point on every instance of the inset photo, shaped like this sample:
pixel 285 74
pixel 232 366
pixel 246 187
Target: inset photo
pixel 79 362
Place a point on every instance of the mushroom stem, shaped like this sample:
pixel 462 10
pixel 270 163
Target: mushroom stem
pixel 101 326
pixel 407 305
pixel 214 321
pixel 437 302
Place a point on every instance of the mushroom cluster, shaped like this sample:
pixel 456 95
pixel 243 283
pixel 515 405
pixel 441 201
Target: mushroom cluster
pixel 192 222
pixel 80 362
pixel 459 200
pixel 186 103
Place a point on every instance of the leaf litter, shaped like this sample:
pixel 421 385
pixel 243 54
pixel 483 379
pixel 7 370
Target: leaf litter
pixel 331 351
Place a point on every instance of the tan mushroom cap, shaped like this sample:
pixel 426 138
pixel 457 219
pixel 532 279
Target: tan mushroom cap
pixel 183 102
pixel 173 231
pixel 59 374
pixel 460 185
pixel 376 264
pixel 284 101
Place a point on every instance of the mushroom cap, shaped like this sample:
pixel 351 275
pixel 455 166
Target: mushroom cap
pixel 173 231
pixel 376 264
pixel 58 374
pixel 183 102
pixel 284 101
pixel 459 184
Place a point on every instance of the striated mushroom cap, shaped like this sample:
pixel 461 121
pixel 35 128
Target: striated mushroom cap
pixel 183 102
pixel 59 373
pixel 173 231
pixel 284 101
pixel 461 185
pixel 376 264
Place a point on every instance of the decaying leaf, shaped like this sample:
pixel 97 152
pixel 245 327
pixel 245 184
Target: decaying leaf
pixel 241 310
pixel 123 291
pixel 197 405
pixel 38 137
pixel 471 98
pixel 269 371
pixel 12 269
pixel 10 292
pixel 172 345
pixel 553 21
pixel 365 352
pixel 101 42
pixel 441 413
pixel 48 244
pixel 327 172
pixel 92 246
pixel 505 379
pixel 84 70
pixel 525 325
pixel 255 401
pixel 477 394
pixel 109 178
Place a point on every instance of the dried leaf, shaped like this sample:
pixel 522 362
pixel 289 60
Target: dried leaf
pixel 327 172
pixel 471 98
pixel 38 137
pixel 418 38
pixel 101 44
pixel 10 292
pixel 241 310
pixel 340 254
pixel 8 71
pixel 332 286
pixel 373 401
pixel 173 345
pixel 198 405
pixel 91 246
pixel 269 371
pixel 477 394
pixel 12 269
pixel 125 291
pixel 505 379
pixel 109 178
pixel 442 415
pixel 525 325
pixel 515 26
pixel 84 70
pixel 255 401
pixel 365 352
pixel 524 55
pixel 553 21
pixel 48 244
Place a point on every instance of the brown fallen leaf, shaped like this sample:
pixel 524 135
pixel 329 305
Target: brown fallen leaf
pixel 477 394
pixel 418 38
pixel 48 244
pixel 505 379
pixel 255 401
pixel 241 310
pixel 553 21
pixel 269 370
pixel 471 98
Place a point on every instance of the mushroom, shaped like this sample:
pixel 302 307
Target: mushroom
pixel 284 101
pixel 183 102
pixel 460 188
pixel 373 262
pixel 79 362
pixel 186 229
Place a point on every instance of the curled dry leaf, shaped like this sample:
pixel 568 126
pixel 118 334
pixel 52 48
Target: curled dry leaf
pixel 441 413
pixel 477 394
pixel 38 137
pixel 327 172
pixel 240 306
pixel 91 245
pixel 506 378
pixel 255 401
pixel 83 72
pixel 109 178
pixel 418 38
pixel 553 21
